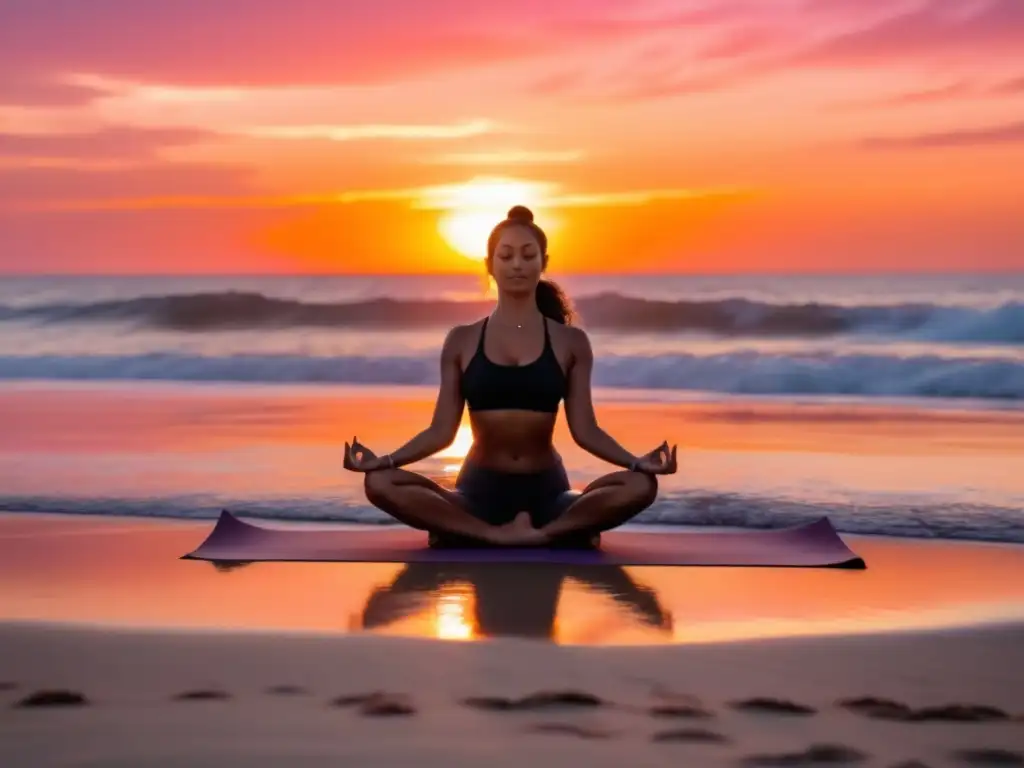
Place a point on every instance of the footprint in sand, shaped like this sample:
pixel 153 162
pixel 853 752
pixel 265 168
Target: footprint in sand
pixel 772 706
pixel 542 700
pixel 685 711
pixel 816 754
pixel 961 713
pixel 886 709
pixel 377 704
pixel 568 729
pixel 989 756
pixel 203 694
pixel 690 736
pixel 53 698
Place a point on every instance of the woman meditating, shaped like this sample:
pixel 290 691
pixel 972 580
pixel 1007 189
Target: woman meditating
pixel 513 369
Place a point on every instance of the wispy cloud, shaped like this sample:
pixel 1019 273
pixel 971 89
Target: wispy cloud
pixel 952 91
pixel 439 131
pixel 1011 133
pixel 33 90
pixel 1013 85
pixel 226 190
pixel 109 143
pixel 310 42
pixel 508 157
pixel 644 196
pixel 942 28
pixel 90 188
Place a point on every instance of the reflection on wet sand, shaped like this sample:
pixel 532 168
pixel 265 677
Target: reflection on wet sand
pixel 477 601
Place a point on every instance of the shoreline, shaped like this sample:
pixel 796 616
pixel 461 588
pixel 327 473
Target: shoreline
pixel 206 524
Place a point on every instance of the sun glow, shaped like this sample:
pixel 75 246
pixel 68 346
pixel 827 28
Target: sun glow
pixel 475 207
pixel 458 449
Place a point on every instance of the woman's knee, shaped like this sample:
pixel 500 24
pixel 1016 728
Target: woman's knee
pixel 378 485
pixel 644 487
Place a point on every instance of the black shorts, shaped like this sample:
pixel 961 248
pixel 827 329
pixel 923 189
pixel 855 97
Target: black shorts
pixel 497 496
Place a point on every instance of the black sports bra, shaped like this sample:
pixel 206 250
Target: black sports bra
pixel 537 386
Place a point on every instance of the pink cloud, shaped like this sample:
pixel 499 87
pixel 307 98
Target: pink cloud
pixel 267 42
pixel 110 143
pixel 28 187
pixel 1010 133
pixel 934 30
pixel 39 91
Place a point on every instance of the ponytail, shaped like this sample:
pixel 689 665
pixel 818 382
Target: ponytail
pixel 553 302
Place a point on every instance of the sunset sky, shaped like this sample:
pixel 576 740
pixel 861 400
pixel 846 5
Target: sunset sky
pixel 388 136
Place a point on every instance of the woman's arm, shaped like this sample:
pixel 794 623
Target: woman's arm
pixel 579 408
pixel 447 413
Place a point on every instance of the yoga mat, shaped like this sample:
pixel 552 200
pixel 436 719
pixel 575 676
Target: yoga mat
pixel 814 544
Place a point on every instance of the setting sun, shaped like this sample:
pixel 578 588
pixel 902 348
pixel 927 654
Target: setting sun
pixel 475 207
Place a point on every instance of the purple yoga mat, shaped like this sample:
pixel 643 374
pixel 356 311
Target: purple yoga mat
pixel 814 544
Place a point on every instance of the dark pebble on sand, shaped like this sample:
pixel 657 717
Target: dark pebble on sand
pixel 961 713
pixel 203 695
pixel 353 699
pixel 690 736
pixel 688 711
pixel 387 705
pixel 816 754
pixel 53 698
pixel 880 709
pixel 989 756
pixel 535 701
pixel 774 706
pixel 568 729
pixel 886 709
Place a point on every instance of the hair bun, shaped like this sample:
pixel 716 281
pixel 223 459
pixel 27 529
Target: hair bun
pixel 520 213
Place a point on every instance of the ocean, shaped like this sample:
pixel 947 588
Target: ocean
pixel 927 345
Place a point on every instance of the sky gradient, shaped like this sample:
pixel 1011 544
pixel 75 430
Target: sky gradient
pixel 316 136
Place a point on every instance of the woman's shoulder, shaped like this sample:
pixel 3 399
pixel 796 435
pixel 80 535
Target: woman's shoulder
pixel 460 337
pixel 571 338
pixel 572 334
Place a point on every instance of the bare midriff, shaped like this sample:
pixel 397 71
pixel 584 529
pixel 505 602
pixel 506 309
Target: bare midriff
pixel 513 440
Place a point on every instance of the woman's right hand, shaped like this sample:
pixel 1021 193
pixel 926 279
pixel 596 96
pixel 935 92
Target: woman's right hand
pixel 359 458
pixel 660 461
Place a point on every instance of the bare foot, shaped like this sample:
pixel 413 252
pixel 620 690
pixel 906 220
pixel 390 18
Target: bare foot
pixel 520 533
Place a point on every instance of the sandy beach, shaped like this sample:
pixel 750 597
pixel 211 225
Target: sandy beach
pixel 114 651
pixel 191 698
pixel 181 663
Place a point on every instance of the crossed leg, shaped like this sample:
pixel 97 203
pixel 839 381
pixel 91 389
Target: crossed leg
pixel 607 502
pixel 421 503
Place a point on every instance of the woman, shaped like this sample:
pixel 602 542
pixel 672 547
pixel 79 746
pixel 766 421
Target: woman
pixel 513 369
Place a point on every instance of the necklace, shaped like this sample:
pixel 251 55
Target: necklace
pixel 517 325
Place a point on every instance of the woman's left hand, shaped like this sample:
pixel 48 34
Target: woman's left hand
pixel 359 458
pixel 660 461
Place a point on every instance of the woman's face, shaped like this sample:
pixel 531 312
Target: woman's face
pixel 518 261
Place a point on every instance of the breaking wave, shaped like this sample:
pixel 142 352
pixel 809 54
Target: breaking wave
pixel 232 310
